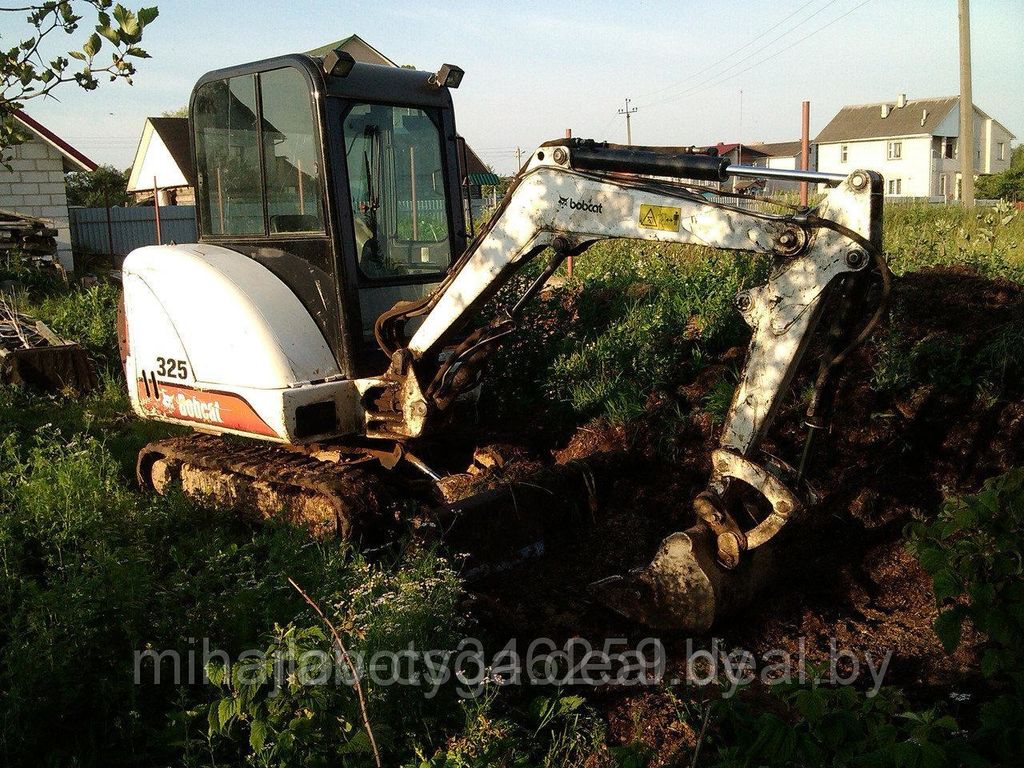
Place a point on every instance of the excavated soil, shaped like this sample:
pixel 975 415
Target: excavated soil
pixel 887 458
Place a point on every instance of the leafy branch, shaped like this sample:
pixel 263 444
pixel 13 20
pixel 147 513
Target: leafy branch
pixel 26 72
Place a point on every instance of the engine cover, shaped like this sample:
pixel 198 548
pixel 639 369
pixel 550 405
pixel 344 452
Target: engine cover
pixel 214 340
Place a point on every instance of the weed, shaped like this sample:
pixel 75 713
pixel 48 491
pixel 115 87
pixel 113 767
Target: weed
pixel 88 316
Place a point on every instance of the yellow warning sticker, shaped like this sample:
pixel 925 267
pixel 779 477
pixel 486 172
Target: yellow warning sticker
pixel 660 217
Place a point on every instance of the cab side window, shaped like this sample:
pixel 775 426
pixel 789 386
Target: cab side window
pixel 257 160
pixel 289 154
pixel 228 156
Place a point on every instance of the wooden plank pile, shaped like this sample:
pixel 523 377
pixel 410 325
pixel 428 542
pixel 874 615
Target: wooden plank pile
pixel 33 355
pixel 34 239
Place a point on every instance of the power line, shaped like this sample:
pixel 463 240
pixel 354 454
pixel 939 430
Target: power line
pixel 749 56
pixel 708 84
pixel 698 73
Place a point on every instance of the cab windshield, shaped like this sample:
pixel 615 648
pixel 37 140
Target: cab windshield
pixel 397 188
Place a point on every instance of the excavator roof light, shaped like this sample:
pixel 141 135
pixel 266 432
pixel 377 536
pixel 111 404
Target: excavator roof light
pixel 448 76
pixel 338 63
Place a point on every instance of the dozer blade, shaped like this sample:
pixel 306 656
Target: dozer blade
pixel 684 588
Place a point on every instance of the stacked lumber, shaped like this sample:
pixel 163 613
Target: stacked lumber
pixel 33 355
pixel 35 239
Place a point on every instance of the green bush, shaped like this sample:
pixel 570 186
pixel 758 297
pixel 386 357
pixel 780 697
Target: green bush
pixel 303 721
pixel 643 317
pixel 972 549
pixel 92 572
pixel 807 724
pixel 988 240
pixel 88 316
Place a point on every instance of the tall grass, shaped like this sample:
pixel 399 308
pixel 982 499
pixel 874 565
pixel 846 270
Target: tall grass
pixel 989 240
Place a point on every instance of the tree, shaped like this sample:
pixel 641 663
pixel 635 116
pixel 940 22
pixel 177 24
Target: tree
pixel 1008 185
pixel 96 189
pixel 179 112
pixel 34 68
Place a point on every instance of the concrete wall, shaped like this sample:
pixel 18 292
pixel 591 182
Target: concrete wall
pixel 35 187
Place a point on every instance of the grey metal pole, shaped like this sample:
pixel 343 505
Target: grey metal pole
pixel 805 147
pixel 966 109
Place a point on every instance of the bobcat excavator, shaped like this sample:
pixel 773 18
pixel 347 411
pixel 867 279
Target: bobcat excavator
pixel 332 305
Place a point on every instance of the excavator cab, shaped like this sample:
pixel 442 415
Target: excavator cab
pixel 342 179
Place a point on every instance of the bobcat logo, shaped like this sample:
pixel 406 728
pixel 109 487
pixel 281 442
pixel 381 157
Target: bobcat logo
pixel 579 205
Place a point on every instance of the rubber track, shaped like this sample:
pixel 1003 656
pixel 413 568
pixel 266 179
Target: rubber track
pixel 357 496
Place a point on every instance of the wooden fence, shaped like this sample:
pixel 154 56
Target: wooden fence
pixel 125 229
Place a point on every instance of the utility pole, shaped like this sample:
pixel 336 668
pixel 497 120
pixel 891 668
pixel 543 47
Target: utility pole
pixel 805 147
pixel 739 143
pixel 519 158
pixel 627 112
pixel 966 109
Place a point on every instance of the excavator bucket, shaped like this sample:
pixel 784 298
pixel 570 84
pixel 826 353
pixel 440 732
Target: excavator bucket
pixel 684 588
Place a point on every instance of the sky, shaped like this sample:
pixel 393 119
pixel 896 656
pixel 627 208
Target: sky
pixel 697 71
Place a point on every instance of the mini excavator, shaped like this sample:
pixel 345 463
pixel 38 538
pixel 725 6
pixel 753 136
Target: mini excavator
pixel 331 311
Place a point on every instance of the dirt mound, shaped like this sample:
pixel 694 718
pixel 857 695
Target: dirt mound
pixel 899 441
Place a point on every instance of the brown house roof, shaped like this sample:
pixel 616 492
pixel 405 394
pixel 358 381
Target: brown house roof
pixel 779 148
pixel 71 154
pixel 865 121
pixel 174 133
pixel 359 49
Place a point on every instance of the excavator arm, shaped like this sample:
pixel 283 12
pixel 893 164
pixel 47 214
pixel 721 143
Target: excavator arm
pixel 572 194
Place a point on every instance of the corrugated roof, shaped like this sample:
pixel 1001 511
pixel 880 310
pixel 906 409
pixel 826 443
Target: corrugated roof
pixel 724 149
pixel 865 121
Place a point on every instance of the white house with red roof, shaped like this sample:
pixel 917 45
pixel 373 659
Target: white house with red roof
pixel 33 185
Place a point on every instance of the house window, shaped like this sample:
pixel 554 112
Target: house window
pixel 844 153
pixel 895 186
pixel 943 185
pixel 1002 150
pixel 948 146
pixel 895 150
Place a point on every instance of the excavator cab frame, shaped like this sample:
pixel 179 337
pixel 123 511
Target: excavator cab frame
pixel 275 143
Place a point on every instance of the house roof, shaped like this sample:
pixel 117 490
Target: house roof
pixel 865 121
pixel 174 133
pixel 357 47
pixel 778 148
pixel 163 137
pixel 724 149
pixel 71 155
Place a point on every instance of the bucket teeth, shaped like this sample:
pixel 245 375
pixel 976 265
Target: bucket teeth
pixel 673 592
